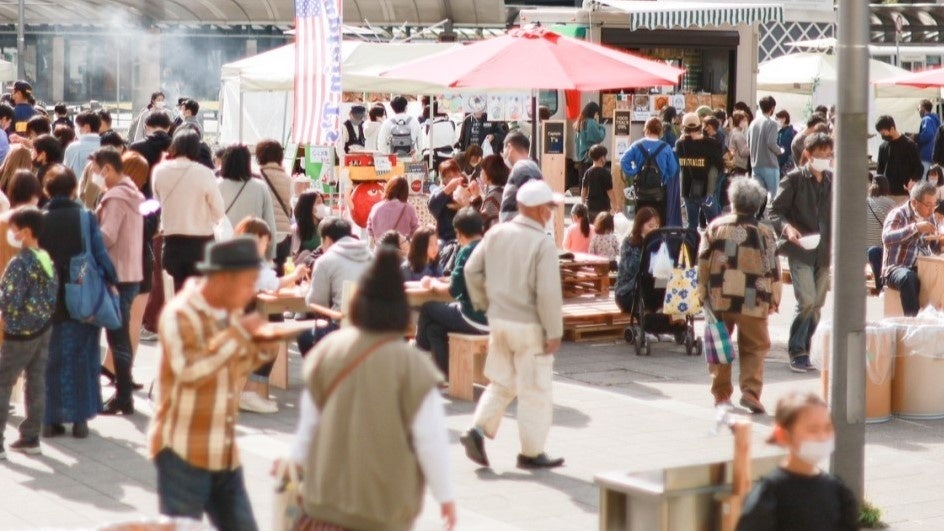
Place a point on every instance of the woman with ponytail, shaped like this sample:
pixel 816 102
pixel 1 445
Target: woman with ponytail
pixel 577 236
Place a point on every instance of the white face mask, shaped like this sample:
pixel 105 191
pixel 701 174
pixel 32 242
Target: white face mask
pixel 98 180
pixel 815 452
pixel 321 211
pixel 12 241
pixel 820 164
pixel 461 195
pixel 160 104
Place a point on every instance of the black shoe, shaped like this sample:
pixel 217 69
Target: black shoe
pixel 114 407
pixel 135 386
pixel 27 446
pixel 474 446
pixel 80 430
pixel 108 374
pixel 539 461
pixel 53 430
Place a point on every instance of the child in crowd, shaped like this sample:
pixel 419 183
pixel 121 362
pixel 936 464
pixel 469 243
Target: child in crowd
pixel 596 190
pixel 28 292
pixel 605 242
pixel 393 238
pixel 422 260
pixel 578 234
pixel 798 495
pixel 255 395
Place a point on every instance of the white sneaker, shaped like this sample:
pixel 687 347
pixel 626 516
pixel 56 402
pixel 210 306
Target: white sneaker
pixel 147 336
pixel 249 401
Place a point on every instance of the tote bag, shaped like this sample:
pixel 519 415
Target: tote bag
pixel 88 298
pixel 718 347
pixel 681 296
pixel 287 511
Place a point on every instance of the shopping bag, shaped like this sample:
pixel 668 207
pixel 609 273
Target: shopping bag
pixel 661 264
pixel 223 230
pixel 718 348
pixel 681 293
pixel 287 511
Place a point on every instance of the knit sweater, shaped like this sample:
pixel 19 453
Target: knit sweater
pixel 190 198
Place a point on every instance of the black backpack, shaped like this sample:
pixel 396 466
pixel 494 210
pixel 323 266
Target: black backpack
pixel 649 179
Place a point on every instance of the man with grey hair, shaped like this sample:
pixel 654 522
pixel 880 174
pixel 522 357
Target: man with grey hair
pixel 739 280
pixel 908 233
pixel 802 215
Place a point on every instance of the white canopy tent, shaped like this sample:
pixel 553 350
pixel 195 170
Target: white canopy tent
pixel 256 94
pixel 801 81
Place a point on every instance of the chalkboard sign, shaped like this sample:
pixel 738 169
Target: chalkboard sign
pixel 621 121
pixel 554 138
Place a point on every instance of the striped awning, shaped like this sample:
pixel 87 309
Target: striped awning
pixel 647 14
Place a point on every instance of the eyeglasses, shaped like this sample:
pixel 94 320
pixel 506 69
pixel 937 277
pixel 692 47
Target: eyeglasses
pixel 928 205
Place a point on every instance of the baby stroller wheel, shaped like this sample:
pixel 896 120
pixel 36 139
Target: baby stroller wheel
pixel 689 345
pixel 642 346
pixel 699 347
pixel 680 338
pixel 629 334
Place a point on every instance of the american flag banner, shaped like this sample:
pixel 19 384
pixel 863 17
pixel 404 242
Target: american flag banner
pixel 317 116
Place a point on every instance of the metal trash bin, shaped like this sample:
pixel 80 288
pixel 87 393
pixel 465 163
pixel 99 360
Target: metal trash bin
pixel 673 499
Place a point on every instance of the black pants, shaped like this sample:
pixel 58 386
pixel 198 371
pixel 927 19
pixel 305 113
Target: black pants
pixel 180 256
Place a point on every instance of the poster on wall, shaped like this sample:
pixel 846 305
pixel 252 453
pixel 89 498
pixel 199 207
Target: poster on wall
pixel 499 106
pixel 642 107
pixel 319 164
pixel 622 138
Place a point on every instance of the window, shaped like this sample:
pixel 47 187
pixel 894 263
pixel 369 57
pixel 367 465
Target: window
pixel 548 98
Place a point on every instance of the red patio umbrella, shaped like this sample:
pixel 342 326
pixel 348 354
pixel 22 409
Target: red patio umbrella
pixel 537 58
pixel 933 77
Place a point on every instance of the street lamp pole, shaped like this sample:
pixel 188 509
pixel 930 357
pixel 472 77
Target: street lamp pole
pixel 21 40
pixel 847 390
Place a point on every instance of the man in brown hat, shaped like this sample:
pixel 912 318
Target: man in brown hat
pixel 206 353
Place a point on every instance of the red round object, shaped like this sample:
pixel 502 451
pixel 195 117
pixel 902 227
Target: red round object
pixel 364 197
pixel 416 186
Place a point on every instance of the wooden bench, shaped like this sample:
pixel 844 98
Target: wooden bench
pixel 466 364
pixel 593 318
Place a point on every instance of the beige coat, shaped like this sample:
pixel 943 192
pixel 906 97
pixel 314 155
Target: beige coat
pixel 282 184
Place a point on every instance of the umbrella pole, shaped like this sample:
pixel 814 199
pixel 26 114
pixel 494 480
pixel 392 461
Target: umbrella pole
pixel 429 142
pixel 534 125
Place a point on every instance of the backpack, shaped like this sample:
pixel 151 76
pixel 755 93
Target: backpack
pixel 649 179
pixel 401 137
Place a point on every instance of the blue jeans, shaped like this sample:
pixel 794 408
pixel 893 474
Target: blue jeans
pixel 875 255
pixel 769 178
pixel 309 338
pixel 810 285
pixel 905 280
pixel 436 320
pixel 693 207
pixel 185 490
pixel 119 341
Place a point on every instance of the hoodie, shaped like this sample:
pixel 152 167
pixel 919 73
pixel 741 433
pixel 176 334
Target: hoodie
pixel 122 225
pixel 343 262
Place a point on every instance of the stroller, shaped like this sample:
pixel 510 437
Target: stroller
pixel 646 302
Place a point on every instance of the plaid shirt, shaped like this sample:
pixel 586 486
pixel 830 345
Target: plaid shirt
pixel 204 358
pixel 901 240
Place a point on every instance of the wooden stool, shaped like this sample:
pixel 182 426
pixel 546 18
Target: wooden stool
pixel 466 364
pixel 892 302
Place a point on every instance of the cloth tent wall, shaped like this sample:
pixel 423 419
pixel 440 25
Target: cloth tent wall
pixel 258 91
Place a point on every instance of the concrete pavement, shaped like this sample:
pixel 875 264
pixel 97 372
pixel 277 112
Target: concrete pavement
pixel 613 411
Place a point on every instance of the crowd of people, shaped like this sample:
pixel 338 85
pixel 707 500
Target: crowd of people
pixel 163 207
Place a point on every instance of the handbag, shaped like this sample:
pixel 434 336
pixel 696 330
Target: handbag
pixel 287 500
pixel 718 347
pixel 681 292
pixel 88 298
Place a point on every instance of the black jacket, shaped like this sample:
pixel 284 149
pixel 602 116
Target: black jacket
pixel 899 161
pixel 152 149
pixel 61 237
pixel 496 129
pixel 937 155
pixel 806 206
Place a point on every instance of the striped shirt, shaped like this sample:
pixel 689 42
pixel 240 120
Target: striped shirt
pixel 205 355
pixel 902 241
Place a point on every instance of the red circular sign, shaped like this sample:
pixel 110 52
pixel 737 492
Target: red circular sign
pixel 364 197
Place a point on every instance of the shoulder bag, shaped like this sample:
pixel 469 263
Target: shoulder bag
pixel 223 230
pixel 276 194
pixel 88 297
pixel 288 511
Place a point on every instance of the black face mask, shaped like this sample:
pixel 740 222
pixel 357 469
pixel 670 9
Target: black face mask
pixel 887 138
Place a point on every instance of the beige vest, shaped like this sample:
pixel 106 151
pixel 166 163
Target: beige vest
pixel 361 471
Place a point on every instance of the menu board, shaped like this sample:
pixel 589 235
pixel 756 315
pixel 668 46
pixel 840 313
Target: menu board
pixel 499 106
pixel 554 138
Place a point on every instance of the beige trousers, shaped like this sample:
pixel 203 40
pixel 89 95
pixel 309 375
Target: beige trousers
pixel 753 344
pixel 517 366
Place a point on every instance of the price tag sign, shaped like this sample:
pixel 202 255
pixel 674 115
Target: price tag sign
pixel 382 164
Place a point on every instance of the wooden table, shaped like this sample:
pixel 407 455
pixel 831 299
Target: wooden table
pixel 585 274
pixel 276 304
pixel 931 275
pixel 417 296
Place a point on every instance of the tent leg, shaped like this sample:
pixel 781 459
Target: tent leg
pixel 284 119
pixel 432 117
pixel 241 113
pixel 534 125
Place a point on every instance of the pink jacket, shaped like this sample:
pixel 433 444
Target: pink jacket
pixel 123 229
